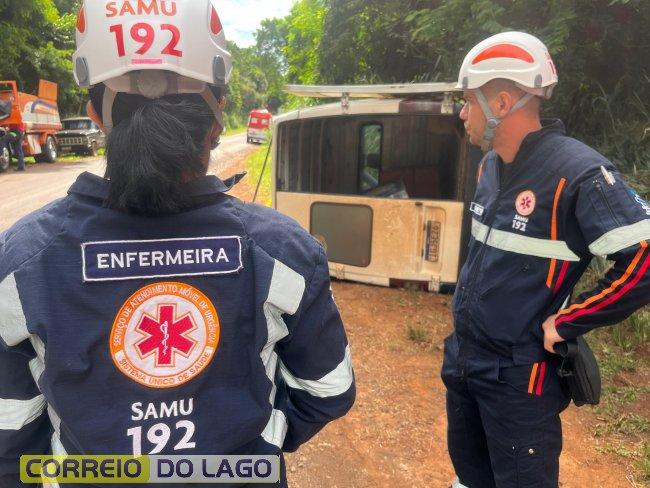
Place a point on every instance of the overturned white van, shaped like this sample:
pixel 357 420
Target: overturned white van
pixel 382 178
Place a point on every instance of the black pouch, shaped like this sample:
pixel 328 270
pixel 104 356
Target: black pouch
pixel 580 370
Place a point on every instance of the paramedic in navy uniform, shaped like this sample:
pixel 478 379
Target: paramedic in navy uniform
pixel 148 311
pixel 544 205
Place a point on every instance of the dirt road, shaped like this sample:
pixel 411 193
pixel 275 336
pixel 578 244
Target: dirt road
pixel 395 434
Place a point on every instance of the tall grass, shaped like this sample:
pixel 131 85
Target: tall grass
pixel 622 351
pixel 255 166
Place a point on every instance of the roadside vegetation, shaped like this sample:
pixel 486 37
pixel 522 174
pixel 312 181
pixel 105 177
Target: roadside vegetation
pixel 233 131
pixel 622 425
pixel 255 166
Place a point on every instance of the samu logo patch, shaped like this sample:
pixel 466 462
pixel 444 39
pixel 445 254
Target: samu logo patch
pixel 525 203
pixel 165 334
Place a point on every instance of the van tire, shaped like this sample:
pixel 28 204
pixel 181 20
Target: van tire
pixel 49 153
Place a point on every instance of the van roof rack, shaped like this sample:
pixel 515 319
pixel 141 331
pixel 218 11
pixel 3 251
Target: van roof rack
pixel 371 91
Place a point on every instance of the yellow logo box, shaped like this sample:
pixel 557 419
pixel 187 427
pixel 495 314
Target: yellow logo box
pixel 104 469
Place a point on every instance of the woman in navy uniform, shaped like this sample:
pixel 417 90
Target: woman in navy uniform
pixel 148 312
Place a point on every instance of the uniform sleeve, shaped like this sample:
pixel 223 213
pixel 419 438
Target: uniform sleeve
pixel 316 383
pixel 24 425
pixel 615 222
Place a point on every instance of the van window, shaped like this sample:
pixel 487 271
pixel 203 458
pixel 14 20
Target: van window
pixel 344 230
pixel 408 156
pixel 370 156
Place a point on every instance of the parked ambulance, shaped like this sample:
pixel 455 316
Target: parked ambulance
pixel 383 178
pixel 259 124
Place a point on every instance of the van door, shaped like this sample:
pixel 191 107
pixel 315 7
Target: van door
pixel 382 241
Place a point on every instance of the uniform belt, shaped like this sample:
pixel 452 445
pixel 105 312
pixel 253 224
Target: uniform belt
pixel 527 353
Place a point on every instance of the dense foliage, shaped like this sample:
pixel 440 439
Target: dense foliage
pixel 600 47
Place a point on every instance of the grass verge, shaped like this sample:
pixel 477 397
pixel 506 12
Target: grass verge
pixel 29 160
pixel 233 131
pixel 623 420
pixel 255 166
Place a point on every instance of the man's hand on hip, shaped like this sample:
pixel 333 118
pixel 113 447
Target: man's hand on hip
pixel 551 336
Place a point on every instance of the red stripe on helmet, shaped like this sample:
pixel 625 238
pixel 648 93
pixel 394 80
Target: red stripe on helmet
pixel 147 61
pixel 215 22
pixel 504 51
pixel 81 20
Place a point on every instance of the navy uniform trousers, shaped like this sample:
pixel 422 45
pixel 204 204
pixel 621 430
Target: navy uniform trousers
pixel 503 414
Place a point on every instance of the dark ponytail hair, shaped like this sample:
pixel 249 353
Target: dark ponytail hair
pixel 154 147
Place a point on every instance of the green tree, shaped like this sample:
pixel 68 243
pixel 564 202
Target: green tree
pixel 304 31
pixel 365 42
pixel 68 6
pixel 37 43
pixel 599 46
pixel 249 86
pixel 271 43
pixel 258 74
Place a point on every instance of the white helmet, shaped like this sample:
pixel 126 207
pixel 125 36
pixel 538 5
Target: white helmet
pixel 514 56
pixel 153 48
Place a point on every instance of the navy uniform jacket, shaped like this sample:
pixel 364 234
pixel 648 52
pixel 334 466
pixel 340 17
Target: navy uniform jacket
pixel 533 236
pixel 218 322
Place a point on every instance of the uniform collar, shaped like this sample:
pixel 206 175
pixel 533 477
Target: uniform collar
pixel 94 186
pixel 549 126
pixel 528 146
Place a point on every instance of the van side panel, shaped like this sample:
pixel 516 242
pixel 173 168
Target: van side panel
pixel 399 237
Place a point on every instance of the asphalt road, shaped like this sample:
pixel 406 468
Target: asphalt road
pixel 22 193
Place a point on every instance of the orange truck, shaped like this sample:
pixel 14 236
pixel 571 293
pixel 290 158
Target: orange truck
pixel 37 116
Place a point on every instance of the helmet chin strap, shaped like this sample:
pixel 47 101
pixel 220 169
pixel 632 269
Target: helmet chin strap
pixel 214 104
pixel 492 122
pixel 107 109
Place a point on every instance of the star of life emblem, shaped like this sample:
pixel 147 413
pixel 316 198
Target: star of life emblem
pixel 164 335
pixel 525 203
